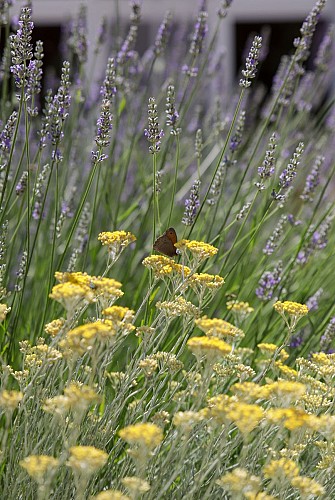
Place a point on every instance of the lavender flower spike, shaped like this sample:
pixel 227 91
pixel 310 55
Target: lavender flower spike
pixel 313 180
pixel 269 280
pixel 152 133
pixel 251 63
pixel 192 204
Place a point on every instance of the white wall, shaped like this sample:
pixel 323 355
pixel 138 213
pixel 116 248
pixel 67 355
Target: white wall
pixel 56 11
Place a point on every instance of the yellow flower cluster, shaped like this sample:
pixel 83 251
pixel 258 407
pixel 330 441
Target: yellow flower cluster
pixel 291 308
pixel 241 309
pixel 92 288
pixel 9 400
pixel 291 418
pixel 4 310
pixel 116 241
pixel 39 467
pixel 54 327
pixel 77 397
pixel 186 420
pixel 294 310
pixel 225 409
pixel 245 416
pixel 121 317
pixel 202 281
pixel 145 435
pixel 86 460
pixel 135 485
pixel 70 296
pixel 82 338
pixel 111 495
pixel 211 348
pixel 178 307
pixel 271 349
pixel 164 266
pixel 280 469
pixel 320 363
pixel 199 249
pixel 37 355
pixel 217 327
pixel 240 481
pixel 307 487
pixel 285 391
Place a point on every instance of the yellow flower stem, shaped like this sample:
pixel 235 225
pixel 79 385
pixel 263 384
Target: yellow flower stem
pixel 271 362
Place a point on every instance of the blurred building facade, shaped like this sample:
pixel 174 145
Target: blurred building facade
pixel 245 16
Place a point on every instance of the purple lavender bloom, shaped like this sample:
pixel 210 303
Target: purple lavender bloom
pixel 272 242
pixel 328 336
pixel 268 282
pixel 325 51
pixel 22 184
pixel 6 135
pixel 267 168
pixel 108 88
pixel 21 47
pixel 223 10
pixel 78 38
pixel 152 133
pixel 192 72
pixel 104 125
pixel 237 137
pixel 200 31
pixel 318 240
pixel 296 340
pixel 292 220
pixel 251 62
pixel 172 115
pixel 192 204
pixel 163 34
pixel 313 301
pixel 313 180
pixel 288 174
pixel 35 71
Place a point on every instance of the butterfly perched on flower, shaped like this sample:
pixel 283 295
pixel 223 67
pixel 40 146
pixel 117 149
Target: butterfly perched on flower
pixel 165 243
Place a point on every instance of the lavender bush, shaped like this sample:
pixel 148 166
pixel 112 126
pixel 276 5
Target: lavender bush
pixel 212 376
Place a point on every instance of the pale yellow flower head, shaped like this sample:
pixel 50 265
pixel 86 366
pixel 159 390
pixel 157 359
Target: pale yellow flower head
pixel 240 481
pixel 291 418
pixel 9 400
pixel 239 309
pixel 86 460
pixel 111 495
pixel 245 416
pixel 186 420
pixel 40 467
pixel 211 348
pixel 77 397
pixel 146 435
pixel 121 317
pixel 160 265
pixel 281 469
pixel 203 281
pixel 83 338
pixel 307 487
pixel 291 310
pixel 116 241
pixel 135 485
pixel 4 310
pixel 198 249
pixel 216 327
pixel 178 307
pixel 95 288
pixel 71 295
pixel 54 327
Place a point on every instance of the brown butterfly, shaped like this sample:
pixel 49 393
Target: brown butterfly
pixel 165 243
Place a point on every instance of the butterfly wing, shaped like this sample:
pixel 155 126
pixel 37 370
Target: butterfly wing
pixel 165 244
